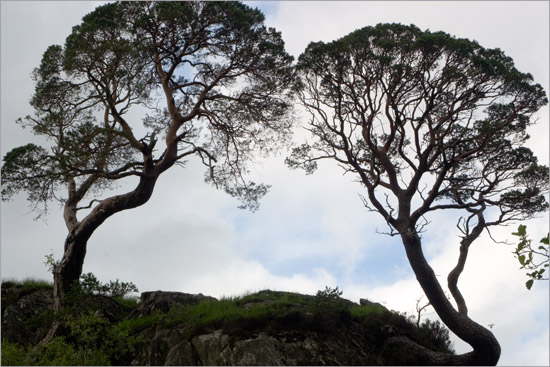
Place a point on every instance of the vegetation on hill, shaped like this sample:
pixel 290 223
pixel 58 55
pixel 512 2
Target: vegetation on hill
pixel 106 337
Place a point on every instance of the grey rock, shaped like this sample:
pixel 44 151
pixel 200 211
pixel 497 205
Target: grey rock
pixel 182 354
pixel 19 317
pixel 163 349
pixel 162 301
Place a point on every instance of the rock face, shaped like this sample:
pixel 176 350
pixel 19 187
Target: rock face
pixel 181 345
pixel 291 348
pixel 18 317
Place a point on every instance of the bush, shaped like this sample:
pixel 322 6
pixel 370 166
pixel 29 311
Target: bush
pixel 58 352
pixel 90 285
pixel 435 336
pixel 13 354
pixel 89 339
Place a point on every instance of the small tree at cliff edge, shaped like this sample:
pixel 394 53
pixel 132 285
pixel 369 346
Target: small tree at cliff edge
pixel 213 80
pixel 427 122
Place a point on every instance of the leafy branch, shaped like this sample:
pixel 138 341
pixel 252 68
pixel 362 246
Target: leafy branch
pixel 534 260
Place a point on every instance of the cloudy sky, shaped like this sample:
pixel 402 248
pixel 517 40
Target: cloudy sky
pixel 310 231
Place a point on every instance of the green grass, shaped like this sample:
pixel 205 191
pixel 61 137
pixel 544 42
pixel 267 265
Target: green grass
pixel 367 310
pixel 27 283
pixel 213 313
pixel 128 302
pixel 265 310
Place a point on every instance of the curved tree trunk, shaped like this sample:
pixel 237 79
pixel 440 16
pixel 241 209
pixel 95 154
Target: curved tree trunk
pixel 486 349
pixel 69 269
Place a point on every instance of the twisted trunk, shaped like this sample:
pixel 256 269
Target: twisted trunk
pixel 486 349
pixel 69 269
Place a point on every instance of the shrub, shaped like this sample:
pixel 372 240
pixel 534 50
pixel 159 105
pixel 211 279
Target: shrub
pixel 435 336
pixel 90 285
pixel 13 354
pixel 57 352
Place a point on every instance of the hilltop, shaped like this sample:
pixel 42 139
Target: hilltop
pixel 173 328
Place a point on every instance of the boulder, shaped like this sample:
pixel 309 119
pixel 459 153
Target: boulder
pixel 21 319
pixel 162 301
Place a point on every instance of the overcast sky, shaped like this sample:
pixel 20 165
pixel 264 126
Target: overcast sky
pixel 310 231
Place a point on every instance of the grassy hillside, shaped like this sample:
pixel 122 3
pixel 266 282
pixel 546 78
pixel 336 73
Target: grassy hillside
pixel 110 333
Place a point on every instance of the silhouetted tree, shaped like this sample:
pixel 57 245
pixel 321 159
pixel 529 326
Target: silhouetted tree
pixel 427 122
pixel 137 88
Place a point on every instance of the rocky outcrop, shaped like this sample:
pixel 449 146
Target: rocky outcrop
pixel 21 318
pixel 265 328
pixel 162 301
pixel 217 348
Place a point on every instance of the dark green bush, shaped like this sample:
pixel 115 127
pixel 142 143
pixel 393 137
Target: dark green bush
pixel 13 354
pixel 435 336
pixel 90 285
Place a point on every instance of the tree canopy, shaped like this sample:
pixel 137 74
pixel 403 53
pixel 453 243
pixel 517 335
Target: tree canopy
pixel 426 122
pixel 210 78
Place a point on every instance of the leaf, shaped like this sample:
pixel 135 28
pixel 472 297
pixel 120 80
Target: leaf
pixel 529 284
pixel 522 259
pixel 522 231
pixel 545 240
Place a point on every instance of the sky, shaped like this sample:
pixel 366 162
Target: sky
pixel 311 231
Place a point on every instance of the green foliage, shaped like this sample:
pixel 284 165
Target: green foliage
pixel 222 71
pixel 13 354
pixel 396 68
pixel 329 308
pixel 367 311
pixel 58 352
pixel 89 284
pixel 128 302
pixel 329 294
pixel 28 168
pixel 535 260
pixel 50 262
pixel 90 339
pixel 94 334
pixel 434 335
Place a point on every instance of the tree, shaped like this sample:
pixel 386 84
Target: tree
pixel 426 122
pixel 207 80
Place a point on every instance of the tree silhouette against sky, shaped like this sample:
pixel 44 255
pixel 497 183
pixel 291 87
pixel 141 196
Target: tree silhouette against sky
pixel 427 122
